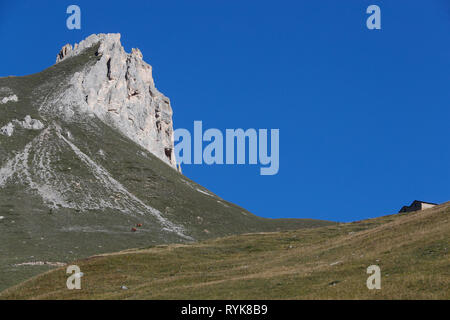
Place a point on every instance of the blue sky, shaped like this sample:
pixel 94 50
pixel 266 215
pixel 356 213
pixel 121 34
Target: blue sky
pixel 363 114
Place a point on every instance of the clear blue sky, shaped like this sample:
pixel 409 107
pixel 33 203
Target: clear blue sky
pixel 363 115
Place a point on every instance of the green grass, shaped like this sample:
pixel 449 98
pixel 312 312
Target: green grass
pixel 412 250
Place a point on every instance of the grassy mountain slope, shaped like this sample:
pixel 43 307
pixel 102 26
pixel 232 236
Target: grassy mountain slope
pixel 76 188
pixel 412 250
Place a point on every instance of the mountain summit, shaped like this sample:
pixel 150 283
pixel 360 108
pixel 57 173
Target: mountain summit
pixel 87 166
pixel 119 89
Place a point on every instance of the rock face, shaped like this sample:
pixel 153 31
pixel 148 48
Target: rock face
pixel 119 89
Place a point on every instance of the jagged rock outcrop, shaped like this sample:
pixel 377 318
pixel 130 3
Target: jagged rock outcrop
pixel 7 130
pixel 30 123
pixel 12 98
pixel 119 89
pixel 27 123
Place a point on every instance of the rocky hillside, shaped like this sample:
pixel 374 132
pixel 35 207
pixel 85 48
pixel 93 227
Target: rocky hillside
pixel 87 166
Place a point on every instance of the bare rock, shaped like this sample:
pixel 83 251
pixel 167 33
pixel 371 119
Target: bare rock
pixel 7 130
pixel 27 123
pixel 30 123
pixel 119 89
pixel 12 98
pixel 64 52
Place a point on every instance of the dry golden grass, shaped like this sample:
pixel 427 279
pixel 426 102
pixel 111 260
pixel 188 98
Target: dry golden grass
pixel 323 263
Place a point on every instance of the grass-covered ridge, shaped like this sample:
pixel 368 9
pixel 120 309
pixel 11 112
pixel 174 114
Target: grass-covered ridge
pixel 330 262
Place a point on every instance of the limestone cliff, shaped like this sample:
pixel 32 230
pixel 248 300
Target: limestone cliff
pixel 119 89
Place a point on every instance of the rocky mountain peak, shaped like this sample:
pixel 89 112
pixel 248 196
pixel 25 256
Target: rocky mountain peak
pixel 120 90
